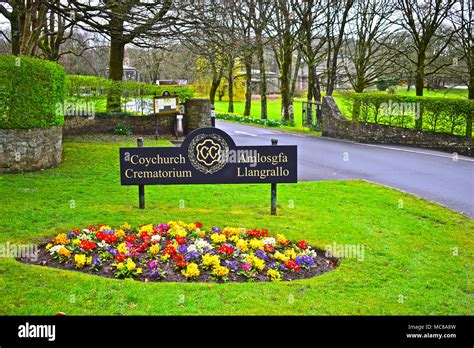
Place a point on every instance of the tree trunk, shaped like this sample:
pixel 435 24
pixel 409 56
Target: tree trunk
pixel 263 76
pixel 286 57
pixel 15 33
pixel 419 82
pixel 117 51
pixel 230 78
pixel 294 78
pixel 248 86
pixel 212 93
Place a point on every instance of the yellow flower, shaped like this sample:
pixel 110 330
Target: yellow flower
pixel 146 228
pixel 232 231
pixel 61 239
pixel 126 226
pixel 234 239
pixel 218 238
pixel 122 248
pixel 191 271
pixel 49 246
pixel 131 266
pixel 120 233
pixel 105 227
pixel 76 242
pixel 154 249
pixel 180 232
pixel 80 260
pixel 242 245
pixel 202 234
pixel 89 260
pixel 191 227
pixel 139 270
pixel 256 263
pixel 210 261
pixel 165 258
pixel 257 244
pixel 274 275
pixel 65 252
pixel 280 256
pixel 120 266
pixel 291 254
pixel 220 271
pixel 281 239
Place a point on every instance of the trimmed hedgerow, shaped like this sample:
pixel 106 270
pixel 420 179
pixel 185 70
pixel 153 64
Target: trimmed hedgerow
pixel 90 87
pixel 244 119
pixel 32 92
pixel 444 115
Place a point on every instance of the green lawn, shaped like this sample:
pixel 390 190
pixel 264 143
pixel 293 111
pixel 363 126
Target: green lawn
pixel 408 251
pixel 444 92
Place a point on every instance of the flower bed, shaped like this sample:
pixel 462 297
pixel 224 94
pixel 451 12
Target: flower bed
pixel 183 252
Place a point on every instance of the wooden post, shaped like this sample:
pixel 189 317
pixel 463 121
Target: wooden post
pixel 141 188
pixel 274 189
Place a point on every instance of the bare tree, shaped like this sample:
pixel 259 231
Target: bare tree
pixel 27 18
pixel 337 17
pixel 283 30
pixel 364 43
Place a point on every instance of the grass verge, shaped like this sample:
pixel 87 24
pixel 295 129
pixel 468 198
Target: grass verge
pixel 418 260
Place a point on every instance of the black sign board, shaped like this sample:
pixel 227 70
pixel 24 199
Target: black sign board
pixel 208 156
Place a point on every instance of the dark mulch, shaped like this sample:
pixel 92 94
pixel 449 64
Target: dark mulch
pixel 322 265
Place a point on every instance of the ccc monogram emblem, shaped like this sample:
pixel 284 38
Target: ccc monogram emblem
pixel 205 153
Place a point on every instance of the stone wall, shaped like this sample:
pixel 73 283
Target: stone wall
pixel 142 125
pixel 197 115
pixel 335 125
pixel 24 150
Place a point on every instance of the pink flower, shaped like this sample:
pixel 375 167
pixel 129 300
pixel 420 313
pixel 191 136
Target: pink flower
pixel 246 266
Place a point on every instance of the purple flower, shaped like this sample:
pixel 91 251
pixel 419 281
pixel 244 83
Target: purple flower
pixel 182 248
pixel 71 235
pixel 113 252
pixel 152 264
pixel 155 273
pixel 96 262
pixel 232 265
pixel 191 255
pixel 261 254
pixel 283 267
pixel 216 229
pixel 304 261
pixel 271 265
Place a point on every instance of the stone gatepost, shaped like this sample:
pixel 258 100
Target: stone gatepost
pixel 197 114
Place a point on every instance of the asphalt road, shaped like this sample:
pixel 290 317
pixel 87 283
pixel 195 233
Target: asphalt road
pixel 429 174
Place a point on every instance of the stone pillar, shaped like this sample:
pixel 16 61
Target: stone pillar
pixel 26 150
pixel 197 114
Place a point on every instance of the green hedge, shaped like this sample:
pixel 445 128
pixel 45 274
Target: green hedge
pixel 91 88
pixel 32 92
pixel 439 114
pixel 244 119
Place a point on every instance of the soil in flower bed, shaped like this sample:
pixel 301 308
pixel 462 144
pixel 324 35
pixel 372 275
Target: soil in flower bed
pixel 179 252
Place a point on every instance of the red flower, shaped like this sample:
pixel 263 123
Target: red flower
pixel 198 224
pixel 181 264
pixel 170 250
pixel 257 233
pixel 120 257
pixel 178 258
pixel 292 265
pixel 100 235
pixel 226 249
pixel 110 238
pixel 130 238
pixel 180 240
pixel 142 247
pixel 88 245
pixel 302 244
pixel 268 248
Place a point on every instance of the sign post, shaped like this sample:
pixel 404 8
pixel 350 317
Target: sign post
pixel 208 156
pixel 274 189
pixel 141 188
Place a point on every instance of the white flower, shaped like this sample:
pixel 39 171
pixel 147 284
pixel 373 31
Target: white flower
pixel 269 241
pixel 102 244
pixel 55 249
pixel 201 244
pixel 192 248
pixel 83 236
pixel 155 238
